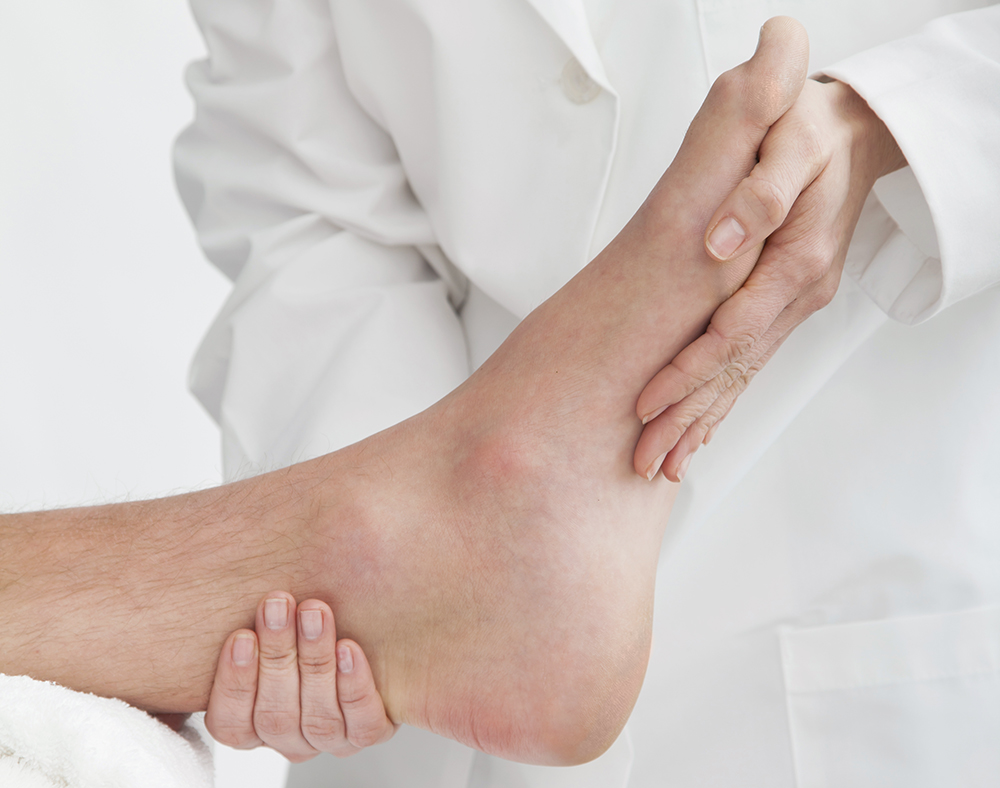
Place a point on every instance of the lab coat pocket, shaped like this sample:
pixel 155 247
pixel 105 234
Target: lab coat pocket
pixel 911 702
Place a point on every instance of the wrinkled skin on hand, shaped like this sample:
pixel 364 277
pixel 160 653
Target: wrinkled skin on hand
pixel 816 166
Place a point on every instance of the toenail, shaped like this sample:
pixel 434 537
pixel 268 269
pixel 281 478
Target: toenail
pixel 726 238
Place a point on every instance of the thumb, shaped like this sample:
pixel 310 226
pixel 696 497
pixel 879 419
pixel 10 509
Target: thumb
pixel 791 157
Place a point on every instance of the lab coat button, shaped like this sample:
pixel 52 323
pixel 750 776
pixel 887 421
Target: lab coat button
pixel 577 84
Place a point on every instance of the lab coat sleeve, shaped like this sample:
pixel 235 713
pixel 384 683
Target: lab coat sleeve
pixel 939 94
pixel 337 326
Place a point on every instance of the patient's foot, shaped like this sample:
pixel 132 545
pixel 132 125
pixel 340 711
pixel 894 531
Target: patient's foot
pixel 494 556
pixel 509 550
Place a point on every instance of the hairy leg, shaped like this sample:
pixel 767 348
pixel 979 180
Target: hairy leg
pixel 494 555
pixel 531 630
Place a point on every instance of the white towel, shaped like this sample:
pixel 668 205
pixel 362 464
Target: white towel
pixel 53 737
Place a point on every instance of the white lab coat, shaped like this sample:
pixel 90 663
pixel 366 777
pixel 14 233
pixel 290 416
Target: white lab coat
pixel 392 184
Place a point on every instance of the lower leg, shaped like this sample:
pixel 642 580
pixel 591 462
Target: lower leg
pixel 494 556
pixel 546 553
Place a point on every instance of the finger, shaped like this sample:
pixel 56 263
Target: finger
pixel 367 722
pixel 678 460
pixel 322 722
pixel 801 265
pixel 277 710
pixel 661 435
pixel 810 244
pixel 682 391
pixel 734 330
pixel 681 429
pixel 230 706
pixel 715 427
pixel 703 429
pixel 792 155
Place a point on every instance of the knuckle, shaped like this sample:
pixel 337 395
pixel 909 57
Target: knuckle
pixel 317 664
pixel 818 258
pixel 687 373
pixel 766 199
pixel 241 695
pixel 828 291
pixel 365 735
pixel 812 263
pixel 322 732
pixel 277 662
pixel 233 734
pixel 271 724
pixel 821 296
pixel 811 142
pixel 351 696
pixel 733 345
pixel 736 376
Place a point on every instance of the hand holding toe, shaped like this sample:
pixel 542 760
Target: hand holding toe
pixel 817 164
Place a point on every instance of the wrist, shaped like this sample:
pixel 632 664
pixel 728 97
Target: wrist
pixel 874 146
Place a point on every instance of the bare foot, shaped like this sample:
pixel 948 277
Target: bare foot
pixel 494 556
pixel 509 549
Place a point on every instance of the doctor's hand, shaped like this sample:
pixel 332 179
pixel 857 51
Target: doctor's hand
pixel 802 200
pixel 293 687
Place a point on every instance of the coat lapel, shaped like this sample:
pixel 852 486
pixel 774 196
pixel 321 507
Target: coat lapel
pixel 568 20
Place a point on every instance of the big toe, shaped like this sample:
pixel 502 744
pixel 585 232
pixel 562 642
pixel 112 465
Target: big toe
pixel 770 81
pixel 720 147
pixel 746 100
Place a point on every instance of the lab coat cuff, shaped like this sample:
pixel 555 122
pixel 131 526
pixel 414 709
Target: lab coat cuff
pixel 935 91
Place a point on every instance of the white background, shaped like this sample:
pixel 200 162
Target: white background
pixel 104 294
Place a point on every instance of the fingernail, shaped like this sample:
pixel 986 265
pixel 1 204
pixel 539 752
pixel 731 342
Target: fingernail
pixel 276 613
pixel 652 470
pixel 312 623
pixel 345 659
pixel 683 467
pixel 650 416
pixel 726 238
pixel 243 647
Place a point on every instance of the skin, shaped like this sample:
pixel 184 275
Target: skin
pixel 802 200
pixel 817 165
pixel 292 686
pixel 495 555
